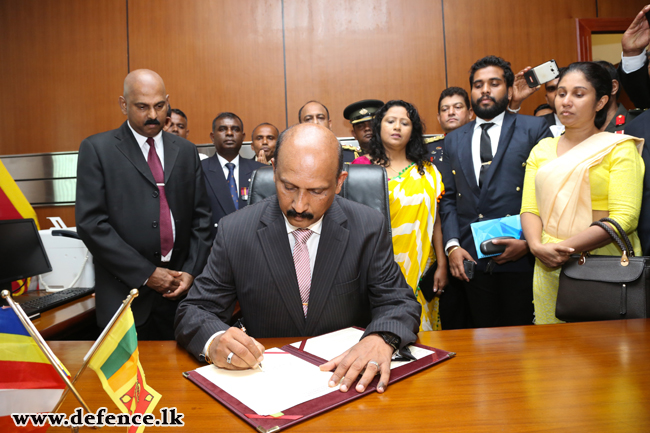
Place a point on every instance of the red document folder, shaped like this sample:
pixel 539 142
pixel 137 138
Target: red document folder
pixel 309 409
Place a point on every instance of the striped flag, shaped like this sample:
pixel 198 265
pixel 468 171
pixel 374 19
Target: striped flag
pixel 117 364
pixel 28 382
pixel 14 205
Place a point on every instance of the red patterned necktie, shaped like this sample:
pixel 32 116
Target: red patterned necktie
pixel 166 233
pixel 301 262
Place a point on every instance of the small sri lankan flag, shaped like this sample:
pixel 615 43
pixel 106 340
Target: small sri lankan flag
pixel 117 364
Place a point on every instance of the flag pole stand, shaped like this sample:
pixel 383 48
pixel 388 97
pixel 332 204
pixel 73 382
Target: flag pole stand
pixel 125 304
pixel 43 346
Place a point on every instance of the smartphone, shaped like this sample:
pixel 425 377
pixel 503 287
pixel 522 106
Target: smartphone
pixel 469 266
pixel 488 248
pixel 542 74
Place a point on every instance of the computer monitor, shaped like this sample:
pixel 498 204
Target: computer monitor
pixel 22 254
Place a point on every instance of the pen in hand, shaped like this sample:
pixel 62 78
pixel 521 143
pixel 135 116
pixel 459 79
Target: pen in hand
pixel 241 326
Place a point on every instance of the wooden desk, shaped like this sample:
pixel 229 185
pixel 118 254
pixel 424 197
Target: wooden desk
pixel 65 319
pixel 583 377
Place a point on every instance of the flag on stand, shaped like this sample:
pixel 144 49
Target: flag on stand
pixel 14 205
pixel 28 382
pixel 117 364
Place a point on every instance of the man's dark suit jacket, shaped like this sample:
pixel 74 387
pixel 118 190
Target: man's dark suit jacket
pixel 464 203
pixel 356 281
pixel 550 118
pixel 118 210
pixel 218 190
pixel 640 127
pixel 637 85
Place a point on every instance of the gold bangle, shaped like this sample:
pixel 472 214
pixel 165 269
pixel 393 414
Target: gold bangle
pixel 452 250
pixel 207 352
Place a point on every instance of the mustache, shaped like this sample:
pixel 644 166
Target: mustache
pixel 491 98
pixel 306 215
pixel 152 122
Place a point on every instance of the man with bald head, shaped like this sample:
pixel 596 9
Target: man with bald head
pixel 142 210
pixel 303 262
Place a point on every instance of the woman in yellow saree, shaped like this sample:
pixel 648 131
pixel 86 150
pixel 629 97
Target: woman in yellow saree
pixel 415 186
pixel 580 177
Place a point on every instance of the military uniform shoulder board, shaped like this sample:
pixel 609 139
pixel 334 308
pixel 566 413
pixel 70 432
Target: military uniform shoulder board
pixel 351 149
pixel 433 139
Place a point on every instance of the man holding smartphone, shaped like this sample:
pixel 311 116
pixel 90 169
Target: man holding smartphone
pixel 633 70
pixel 487 160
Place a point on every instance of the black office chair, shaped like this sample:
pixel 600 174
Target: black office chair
pixel 365 184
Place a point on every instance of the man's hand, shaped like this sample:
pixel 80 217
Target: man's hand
pixel 164 280
pixel 247 352
pixel 456 258
pixel 553 255
pixel 520 89
pixel 261 157
pixel 362 355
pixel 637 36
pixel 185 284
pixel 515 249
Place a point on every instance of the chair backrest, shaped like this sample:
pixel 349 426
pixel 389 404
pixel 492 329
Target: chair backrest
pixel 365 184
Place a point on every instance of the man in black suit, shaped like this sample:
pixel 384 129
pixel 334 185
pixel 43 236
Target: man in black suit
pixel 303 262
pixel 316 112
pixel 142 210
pixel 640 127
pixel 633 70
pixel 487 159
pixel 227 175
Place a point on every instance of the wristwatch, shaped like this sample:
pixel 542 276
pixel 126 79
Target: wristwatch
pixel 391 339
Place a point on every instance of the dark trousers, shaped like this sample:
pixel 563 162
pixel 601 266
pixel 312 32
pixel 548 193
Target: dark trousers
pixel 500 299
pixel 160 323
pixel 454 306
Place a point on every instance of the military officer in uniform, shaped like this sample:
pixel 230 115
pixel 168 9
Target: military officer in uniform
pixel 360 115
pixel 617 114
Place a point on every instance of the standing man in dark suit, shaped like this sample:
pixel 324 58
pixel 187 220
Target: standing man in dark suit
pixel 227 175
pixel 640 127
pixel 303 262
pixel 316 112
pixel 142 210
pixel 487 158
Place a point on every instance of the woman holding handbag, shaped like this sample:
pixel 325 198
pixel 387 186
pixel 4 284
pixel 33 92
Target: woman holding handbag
pixel 575 179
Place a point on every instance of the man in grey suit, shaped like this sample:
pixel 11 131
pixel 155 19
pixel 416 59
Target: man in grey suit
pixel 142 210
pixel 341 272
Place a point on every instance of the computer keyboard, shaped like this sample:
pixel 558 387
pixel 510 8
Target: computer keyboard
pixel 53 300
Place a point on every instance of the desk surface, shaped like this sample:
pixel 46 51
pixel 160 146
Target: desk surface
pixel 63 319
pixel 582 377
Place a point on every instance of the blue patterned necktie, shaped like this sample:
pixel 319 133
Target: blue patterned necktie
pixel 232 184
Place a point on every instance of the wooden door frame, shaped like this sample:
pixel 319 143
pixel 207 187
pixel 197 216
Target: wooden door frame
pixel 586 26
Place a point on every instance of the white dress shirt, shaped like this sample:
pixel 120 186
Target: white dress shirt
pixel 494 132
pixel 223 161
pixel 160 150
pixel 633 63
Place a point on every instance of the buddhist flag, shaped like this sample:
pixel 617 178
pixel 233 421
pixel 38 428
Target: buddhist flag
pixel 28 382
pixel 117 364
pixel 14 205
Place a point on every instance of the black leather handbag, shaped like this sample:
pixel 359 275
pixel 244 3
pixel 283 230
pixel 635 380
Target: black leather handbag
pixel 604 287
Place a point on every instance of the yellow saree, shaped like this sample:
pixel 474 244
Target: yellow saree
pixel 413 202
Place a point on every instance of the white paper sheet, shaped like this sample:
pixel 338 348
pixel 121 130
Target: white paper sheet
pixel 331 345
pixel 285 382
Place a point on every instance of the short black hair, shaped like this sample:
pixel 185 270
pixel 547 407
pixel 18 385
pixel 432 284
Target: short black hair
pixel 179 112
pixel 611 69
pixel 226 115
pixel 267 124
pixel 601 81
pixel 283 136
pixel 309 102
pixel 542 107
pixel 452 91
pixel 487 61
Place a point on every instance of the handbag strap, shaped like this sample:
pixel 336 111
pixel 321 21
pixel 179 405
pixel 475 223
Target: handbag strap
pixel 622 234
pixel 612 234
